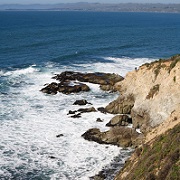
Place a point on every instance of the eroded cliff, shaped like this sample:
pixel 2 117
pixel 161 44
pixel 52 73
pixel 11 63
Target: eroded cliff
pixel 155 88
pixel 150 93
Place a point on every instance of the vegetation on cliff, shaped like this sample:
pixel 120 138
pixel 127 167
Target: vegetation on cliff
pixel 158 159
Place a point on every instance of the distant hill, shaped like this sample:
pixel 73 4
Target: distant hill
pixel 122 7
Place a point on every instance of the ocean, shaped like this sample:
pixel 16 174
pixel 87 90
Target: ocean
pixel 36 45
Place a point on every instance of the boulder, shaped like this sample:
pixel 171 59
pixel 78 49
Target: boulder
pixel 93 134
pixel 86 110
pixel 122 105
pixel 120 136
pixel 99 120
pixel 50 88
pixel 81 102
pixel 59 135
pixel 120 120
pixel 71 112
pixel 76 115
pixel 102 109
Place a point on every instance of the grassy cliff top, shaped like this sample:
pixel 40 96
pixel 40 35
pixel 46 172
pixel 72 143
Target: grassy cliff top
pixel 158 159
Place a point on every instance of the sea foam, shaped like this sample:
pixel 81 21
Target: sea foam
pixel 31 121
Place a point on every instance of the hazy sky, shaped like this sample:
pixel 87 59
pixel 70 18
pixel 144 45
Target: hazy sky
pixel 72 1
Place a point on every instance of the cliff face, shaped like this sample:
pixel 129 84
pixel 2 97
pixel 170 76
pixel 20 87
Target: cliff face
pixel 152 91
pixel 155 88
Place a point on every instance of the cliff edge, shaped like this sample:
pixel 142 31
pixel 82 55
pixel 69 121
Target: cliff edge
pixel 150 94
pixel 155 90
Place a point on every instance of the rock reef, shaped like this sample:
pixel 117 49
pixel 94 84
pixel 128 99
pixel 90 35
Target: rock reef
pixel 71 82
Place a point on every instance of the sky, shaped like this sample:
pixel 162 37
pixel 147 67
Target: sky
pixel 90 1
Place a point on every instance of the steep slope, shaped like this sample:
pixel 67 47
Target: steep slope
pixel 159 157
pixel 155 89
pixel 150 93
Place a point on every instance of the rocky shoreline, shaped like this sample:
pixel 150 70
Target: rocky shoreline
pixel 149 95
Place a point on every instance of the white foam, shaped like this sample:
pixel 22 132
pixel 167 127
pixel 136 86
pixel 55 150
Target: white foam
pixel 18 72
pixel 1 73
pixel 117 65
pixel 31 120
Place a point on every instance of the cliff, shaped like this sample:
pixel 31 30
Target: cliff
pixel 150 93
pixel 154 89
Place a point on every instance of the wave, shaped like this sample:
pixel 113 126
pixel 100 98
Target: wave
pixel 18 72
pixel 35 119
pixel 123 65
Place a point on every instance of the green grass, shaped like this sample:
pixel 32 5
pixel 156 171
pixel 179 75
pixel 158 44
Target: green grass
pixel 162 156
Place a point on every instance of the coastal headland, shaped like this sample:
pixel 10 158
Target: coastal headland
pixel 95 7
pixel 149 101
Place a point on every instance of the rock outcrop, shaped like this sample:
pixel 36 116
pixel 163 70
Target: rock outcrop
pixel 119 120
pixel 122 105
pixel 70 82
pixel 65 87
pixel 120 136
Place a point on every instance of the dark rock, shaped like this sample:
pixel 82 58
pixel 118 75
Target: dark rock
pixel 76 115
pixel 86 110
pixel 52 157
pixel 71 112
pixel 120 136
pixel 59 135
pixel 66 86
pixel 78 87
pixel 102 109
pixel 51 88
pixel 99 120
pixel 120 120
pixel 93 134
pixel 81 102
pixel 96 78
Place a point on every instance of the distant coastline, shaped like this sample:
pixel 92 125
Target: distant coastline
pixel 96 7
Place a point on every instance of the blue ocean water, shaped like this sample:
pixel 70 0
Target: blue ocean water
pixel 36 45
